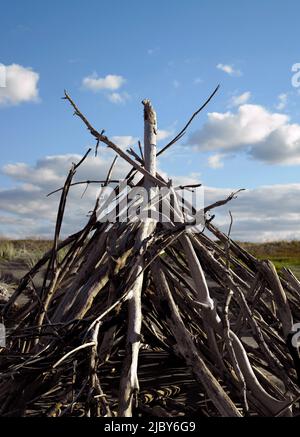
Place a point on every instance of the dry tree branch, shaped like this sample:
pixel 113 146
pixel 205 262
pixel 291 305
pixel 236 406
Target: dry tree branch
pixel 87 182
pixel 102 138
pixel 183 131
pixel 224 201
pixel 52 265
pixel 227 329
pixel 187 348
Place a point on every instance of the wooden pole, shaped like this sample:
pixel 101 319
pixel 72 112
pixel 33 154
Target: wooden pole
pixel 129 384
pixel 150 133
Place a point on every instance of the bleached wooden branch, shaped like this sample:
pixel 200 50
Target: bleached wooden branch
pixel 104 139
pixel 129 384
pixel 187 349
pixel 109 268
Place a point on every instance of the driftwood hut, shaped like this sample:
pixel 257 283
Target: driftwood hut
pixel 149 317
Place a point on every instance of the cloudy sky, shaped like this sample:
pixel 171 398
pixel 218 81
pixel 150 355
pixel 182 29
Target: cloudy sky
pixel 110 56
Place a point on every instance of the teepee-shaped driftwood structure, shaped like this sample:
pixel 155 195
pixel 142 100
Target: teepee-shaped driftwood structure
pixel 149 318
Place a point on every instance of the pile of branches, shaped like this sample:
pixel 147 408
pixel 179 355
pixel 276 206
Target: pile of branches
pixel 149 318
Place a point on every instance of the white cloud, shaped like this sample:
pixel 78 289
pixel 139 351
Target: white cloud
pixel 110 82
pixel 118 97
pixel 215 161
pixel 282 101
pixel 265 136
pixel 264 213
pixel 21 85
pixel 163 134
pixel 229 69
pixel 24 208
pixel 190 179
pixel 240 100
pixel 124 141
pixel 270 212
pixel 250 124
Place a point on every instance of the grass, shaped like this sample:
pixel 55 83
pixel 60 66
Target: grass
pixel 281 253
pixel 7 251
pixel 27 252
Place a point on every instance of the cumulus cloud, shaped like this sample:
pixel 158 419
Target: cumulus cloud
pixel 118 97
pixel 264 213
pixel 25 209
pixel 270 212
pixel 229 69
pixel 18 85
pixel 110 82
pixel 265 136
pixel 240 100
pixel 250 124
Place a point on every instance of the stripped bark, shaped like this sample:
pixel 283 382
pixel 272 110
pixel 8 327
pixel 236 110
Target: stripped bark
pixel 129 384
pixel 188 350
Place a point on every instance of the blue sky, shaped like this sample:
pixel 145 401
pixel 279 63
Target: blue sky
pixel 174 53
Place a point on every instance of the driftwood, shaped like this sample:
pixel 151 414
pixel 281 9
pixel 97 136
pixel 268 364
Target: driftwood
pixel 147 317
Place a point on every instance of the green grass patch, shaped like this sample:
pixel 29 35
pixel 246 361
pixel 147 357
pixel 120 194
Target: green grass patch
pixel 28 252
pixel 281 253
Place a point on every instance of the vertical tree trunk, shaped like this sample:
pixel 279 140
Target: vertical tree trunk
pixel 150 133
pixel 129 384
